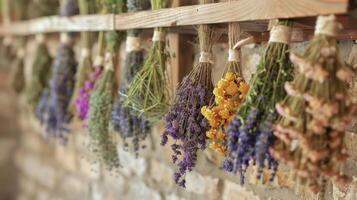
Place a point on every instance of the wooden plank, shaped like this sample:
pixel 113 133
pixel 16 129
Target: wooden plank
pixel 242 10
pixel 60 24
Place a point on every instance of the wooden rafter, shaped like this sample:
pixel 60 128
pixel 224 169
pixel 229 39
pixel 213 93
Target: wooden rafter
pixel 242 10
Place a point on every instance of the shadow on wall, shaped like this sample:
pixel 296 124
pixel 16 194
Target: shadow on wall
pixel 9 134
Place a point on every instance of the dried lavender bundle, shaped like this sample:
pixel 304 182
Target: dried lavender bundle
pixel 184 121
pixel 62 81
pixel 41 72
pixel 315 114
pixel 85 62
pixel 125 120
pixel 102 98
pixel 148 93
pixel 250 131
pixel 228 93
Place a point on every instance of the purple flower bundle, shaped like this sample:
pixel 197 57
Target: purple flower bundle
pixel 41 108
pixel 82 100
pixel 62 81
pixel 186 125
pixel 184 121
pixel 250 132
pixel 61 89
pixel 125 120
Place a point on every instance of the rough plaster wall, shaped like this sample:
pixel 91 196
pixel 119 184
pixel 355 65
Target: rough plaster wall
pixel 48 170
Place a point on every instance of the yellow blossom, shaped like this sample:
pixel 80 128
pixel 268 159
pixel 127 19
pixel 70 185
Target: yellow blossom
pixel 232 88
pixel 243 88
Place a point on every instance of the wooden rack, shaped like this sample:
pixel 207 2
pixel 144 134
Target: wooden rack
pixel 252 13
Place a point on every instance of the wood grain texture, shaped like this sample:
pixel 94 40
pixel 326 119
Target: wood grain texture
pixel 242 10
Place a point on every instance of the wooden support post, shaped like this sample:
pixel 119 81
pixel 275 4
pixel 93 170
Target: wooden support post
pixel 181 53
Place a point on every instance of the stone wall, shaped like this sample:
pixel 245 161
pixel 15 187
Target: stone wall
pixel 48 170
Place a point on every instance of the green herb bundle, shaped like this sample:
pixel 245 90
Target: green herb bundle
pixel 7 53
pixel 41 66
pixel 316 112
pixel 102 98
pixel 40 73
pixel 125 121
pixel 18 75
pixel 148 93
pixel 85 61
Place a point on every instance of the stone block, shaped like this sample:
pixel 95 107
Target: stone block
pixel 74 187
pixel 132 165
pixel 174 197
pixel 162 174
pixel 114 183
pixel 41 171
pixel 202 185
pixel 233 191
pixel 7 146
pixel 66 156
pixel 139 190
pixel 89 168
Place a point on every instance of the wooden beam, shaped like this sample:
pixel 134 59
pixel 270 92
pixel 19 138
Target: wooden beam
pixel 242 10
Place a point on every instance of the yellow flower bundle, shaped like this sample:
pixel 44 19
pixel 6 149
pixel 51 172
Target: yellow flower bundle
pixel 228 94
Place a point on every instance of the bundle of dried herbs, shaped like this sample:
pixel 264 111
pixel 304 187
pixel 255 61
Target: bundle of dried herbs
pixel 102 98
pixel 125 120
pixel 83 96
pixel 85 61
pixel 62 81
pixel 17 75
pixel 148 93
pixel 41 66
pixel 40 73
pixel 41 8
pixel 314 116
pixel 250 131
pixel 228 93
pixel 7 53
pixel 184 121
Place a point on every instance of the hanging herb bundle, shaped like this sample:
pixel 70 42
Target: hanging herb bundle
pixel 315 114
pixel 7 53
pixel 41 66
pixel 101 99
pixel 41 71
pixel 83 96
pixel 228 93
pixel 42 8
pixel 250 131
pixel 184 121
pixel 17 74
pixel 125 120
pixel 148 93
pixel 86 7
pixel 62 80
